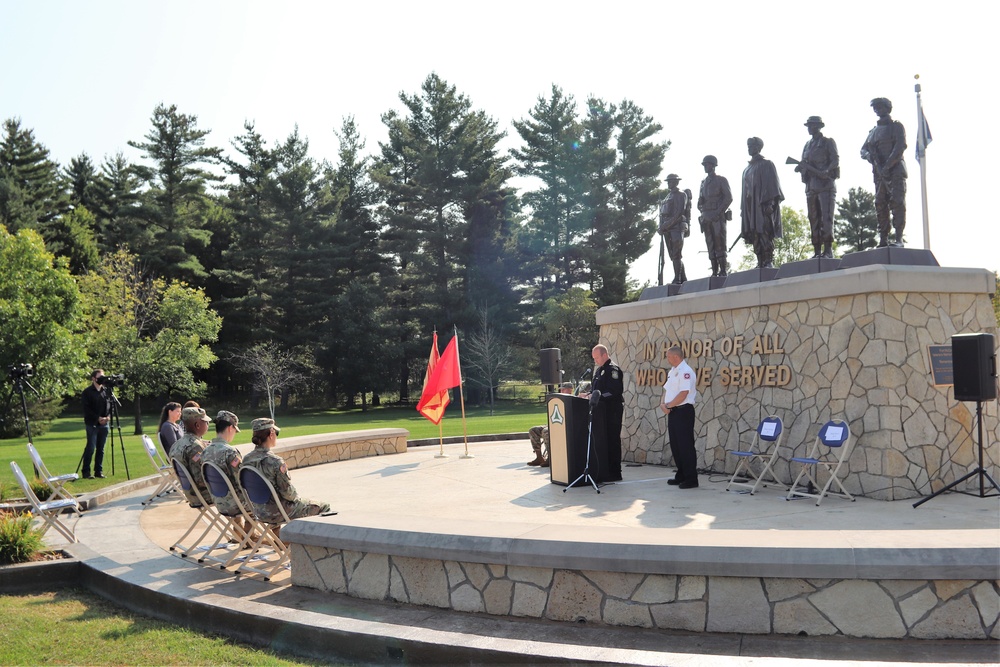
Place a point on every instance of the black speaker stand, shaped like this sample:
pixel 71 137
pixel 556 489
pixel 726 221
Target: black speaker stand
pixel 980 471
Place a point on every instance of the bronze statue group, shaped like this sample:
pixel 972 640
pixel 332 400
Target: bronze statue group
pixel 761 197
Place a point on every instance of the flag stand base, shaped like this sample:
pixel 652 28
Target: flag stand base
pixel 467 456
pixel 440 456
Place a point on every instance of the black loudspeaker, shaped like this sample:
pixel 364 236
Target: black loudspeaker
pixel 550 364
pixel 974 359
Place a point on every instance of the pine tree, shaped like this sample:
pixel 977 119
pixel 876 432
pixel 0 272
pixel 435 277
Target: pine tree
pixel 557 221
pixel 856 227
pixel 118 224
pixel 31 191
pixel 176 202
pixel 246 273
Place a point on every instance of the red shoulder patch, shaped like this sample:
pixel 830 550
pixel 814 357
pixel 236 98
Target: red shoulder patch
pixel 687 376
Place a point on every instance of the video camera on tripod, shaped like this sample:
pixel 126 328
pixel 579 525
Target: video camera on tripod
pixel 20 371
pixel 111 381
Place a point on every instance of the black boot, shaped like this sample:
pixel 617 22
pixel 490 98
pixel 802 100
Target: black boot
pixel 677 272
pixel 818 249
pixel 828 250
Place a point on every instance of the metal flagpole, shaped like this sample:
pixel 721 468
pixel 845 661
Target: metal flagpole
pixel 923 138
pixel 461 393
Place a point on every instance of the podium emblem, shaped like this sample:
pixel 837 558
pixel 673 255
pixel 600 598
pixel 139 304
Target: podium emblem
pixel 556 416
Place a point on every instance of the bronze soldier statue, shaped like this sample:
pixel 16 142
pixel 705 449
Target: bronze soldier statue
pixel 675 211
pixel 820 169
pixel 760 204
pixel 714 198
pixel 884 149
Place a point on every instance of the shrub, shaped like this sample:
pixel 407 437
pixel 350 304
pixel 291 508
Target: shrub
pixel 41 489
pixel 19 541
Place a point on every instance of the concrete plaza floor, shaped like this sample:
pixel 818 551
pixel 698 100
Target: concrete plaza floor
pixel 124 548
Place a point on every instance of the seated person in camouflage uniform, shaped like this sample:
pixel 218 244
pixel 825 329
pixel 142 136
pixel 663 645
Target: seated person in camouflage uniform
pixel 539 435
pixel 189 449
pixel 222 454
pixel 274 470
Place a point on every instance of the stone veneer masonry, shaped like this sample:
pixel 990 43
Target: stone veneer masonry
pixel 856 344
pixel 909 591
pixel 310 450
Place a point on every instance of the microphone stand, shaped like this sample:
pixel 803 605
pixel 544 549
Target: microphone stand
pixel 586 476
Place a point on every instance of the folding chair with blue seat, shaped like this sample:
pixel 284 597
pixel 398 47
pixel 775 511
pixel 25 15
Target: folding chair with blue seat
pixel 207 514
pixel 220 487
pixel 258 490
pixel 167 481
pixel 50 510
pixel 57 483
pixel 834 438
pixel 763 450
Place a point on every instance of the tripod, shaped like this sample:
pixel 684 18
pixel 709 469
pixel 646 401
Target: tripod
pixel 980 471
pixel 585 475
pixel 20 381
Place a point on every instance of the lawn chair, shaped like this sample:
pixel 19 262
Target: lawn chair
pixel 258 490
pixel 50 510
pixel 207 514
pixel 834 438
pixel 769 434
pixel 220 487
pixel 57 483
pixel 167 481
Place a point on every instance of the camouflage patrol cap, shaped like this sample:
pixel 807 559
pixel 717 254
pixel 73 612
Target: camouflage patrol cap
pixel 710 159
pixel 229 418
pixel 263 423
pixel 194 414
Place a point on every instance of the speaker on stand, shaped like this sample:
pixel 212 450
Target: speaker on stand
pixel 975 366
pixel 550 366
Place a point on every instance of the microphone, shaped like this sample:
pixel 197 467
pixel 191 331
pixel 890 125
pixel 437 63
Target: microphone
pixel 586 373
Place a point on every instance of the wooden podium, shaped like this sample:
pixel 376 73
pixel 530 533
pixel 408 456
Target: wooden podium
pixel 569 421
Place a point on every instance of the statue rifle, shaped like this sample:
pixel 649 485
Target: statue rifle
pixel 806 165
pixel 735 242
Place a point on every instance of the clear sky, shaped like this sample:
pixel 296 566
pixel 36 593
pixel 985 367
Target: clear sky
pixel 87 75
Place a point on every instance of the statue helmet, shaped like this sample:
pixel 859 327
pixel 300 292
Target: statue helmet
pixel 710 159
pixel 814 120
pixel 673 177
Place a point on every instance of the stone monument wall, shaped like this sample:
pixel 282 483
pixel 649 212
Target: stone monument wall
pixel 852 344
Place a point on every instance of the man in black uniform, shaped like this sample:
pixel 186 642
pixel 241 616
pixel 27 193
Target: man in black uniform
pixel 884 149
pixel 609 385
pixel 96 416
pixel 714 199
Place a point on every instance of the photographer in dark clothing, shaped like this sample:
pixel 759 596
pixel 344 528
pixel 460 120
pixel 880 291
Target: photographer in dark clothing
pixel 96 418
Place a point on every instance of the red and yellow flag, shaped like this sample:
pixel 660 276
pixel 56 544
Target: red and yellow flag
pixel 433 409
pixel 442 374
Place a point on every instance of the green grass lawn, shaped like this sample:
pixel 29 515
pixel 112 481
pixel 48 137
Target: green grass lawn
pixel 74 627
pixel 61 446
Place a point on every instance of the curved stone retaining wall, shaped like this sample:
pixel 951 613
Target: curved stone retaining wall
pixel 849 344
pixel 661 580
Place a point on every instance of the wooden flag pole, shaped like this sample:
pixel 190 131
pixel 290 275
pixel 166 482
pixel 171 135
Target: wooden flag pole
pixel 461 394
pixel 441 455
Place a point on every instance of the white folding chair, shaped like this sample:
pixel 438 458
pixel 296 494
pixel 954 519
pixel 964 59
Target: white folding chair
pixel 48 511
pixel 258 490
pixel 207 514
pixel 167 482
pixel 57 483
pixel 220 487
pixel 835 439
pixel 763 450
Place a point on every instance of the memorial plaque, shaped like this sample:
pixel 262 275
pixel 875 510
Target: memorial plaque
pixel 942 366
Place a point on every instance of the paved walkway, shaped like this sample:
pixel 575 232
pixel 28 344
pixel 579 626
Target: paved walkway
pixel 124 550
